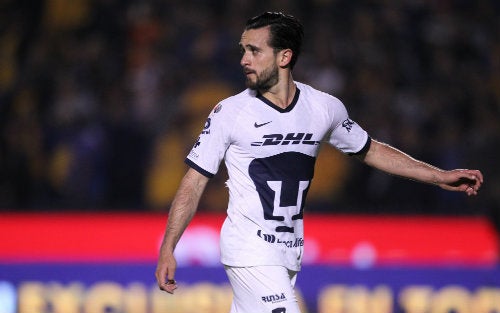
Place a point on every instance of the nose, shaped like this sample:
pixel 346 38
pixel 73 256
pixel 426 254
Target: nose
pixel 244 60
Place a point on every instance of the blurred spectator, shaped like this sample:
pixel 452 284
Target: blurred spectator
pixel 101 100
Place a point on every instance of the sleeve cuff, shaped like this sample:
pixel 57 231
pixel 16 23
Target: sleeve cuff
pixel 365 148
pixel 198 169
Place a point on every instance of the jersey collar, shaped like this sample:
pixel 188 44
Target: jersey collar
pixel 277 108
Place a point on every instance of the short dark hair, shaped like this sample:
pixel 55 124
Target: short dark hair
pixel 286 31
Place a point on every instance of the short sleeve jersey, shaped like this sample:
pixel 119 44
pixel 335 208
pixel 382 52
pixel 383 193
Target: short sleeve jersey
pixel 270 154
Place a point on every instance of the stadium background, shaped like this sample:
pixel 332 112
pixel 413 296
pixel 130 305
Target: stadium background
pixel 101 100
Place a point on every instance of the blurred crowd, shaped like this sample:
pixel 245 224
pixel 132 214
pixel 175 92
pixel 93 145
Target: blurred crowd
pixel 101 100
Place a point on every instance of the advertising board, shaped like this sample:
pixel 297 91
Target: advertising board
pixel 89 263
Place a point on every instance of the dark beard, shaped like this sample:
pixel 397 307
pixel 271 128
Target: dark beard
pixel 267 79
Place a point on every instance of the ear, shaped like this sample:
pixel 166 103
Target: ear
pixel 284 57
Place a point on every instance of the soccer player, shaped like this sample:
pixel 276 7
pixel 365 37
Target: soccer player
pixel 269 136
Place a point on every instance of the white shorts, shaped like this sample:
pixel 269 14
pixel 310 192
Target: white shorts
pixel 263 289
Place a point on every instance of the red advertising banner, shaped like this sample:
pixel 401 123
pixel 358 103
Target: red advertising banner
pixel 362 241
pixel 105 262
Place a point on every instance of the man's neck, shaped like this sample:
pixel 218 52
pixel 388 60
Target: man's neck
pixel 282 93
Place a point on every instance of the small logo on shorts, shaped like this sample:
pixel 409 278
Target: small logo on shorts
pixel 274 298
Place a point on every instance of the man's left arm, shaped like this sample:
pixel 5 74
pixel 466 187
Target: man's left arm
pixel 393 161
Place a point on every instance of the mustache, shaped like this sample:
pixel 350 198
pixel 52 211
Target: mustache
pixel 247 70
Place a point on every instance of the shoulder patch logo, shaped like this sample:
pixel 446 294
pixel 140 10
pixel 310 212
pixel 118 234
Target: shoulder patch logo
pixel 217 108
pixel 206 128
pixel 347 124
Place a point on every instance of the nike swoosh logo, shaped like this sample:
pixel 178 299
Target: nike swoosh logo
pixel 260 125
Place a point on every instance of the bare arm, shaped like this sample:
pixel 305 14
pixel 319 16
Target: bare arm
pixel 182 211
pixel 393 161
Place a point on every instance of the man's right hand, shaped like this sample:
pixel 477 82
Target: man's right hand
pixel 165 272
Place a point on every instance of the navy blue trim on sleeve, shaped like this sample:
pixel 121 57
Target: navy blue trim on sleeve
pixel 365 148
pixel 198 169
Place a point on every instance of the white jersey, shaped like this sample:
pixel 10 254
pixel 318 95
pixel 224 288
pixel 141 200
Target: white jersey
pixel 270 154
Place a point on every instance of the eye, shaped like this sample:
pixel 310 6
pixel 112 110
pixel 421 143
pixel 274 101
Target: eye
pixel 252 49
